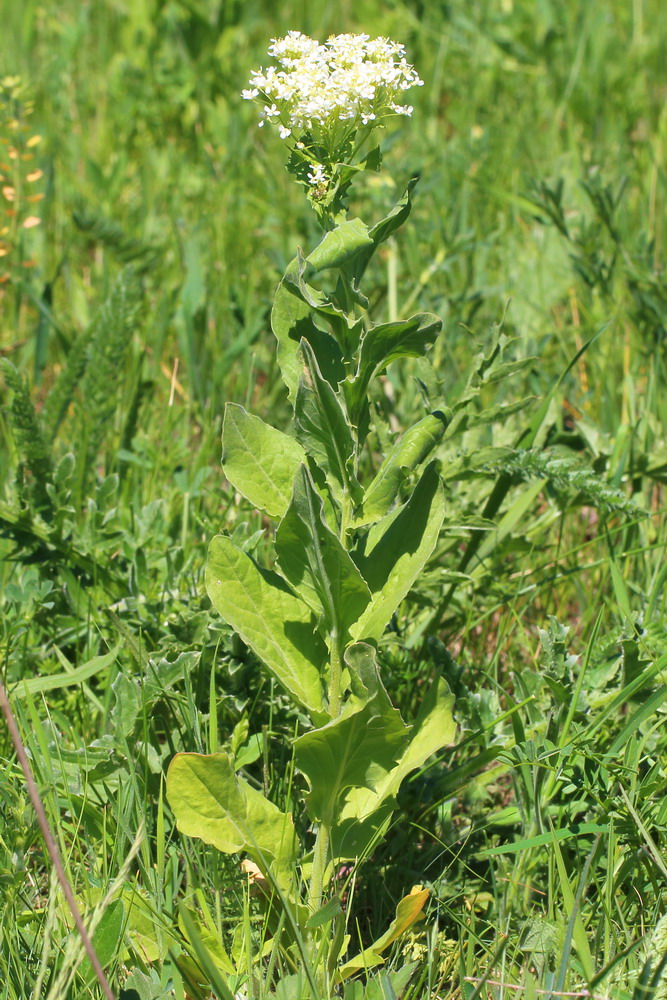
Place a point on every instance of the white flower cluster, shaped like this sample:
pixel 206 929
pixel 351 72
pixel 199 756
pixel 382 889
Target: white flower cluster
pixel 351 78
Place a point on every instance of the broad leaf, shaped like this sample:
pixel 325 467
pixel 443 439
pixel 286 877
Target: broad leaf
pixel 211 802
pixel 395 552
pixel 364 813
pixel 340 245
pixel 322 426
pixel 358 748
pixel 416 444
pixel 313 560
pixel 407 338
pixel 276 625
pixel 259 461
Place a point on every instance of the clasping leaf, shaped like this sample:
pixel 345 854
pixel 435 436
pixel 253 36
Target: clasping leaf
pixel 277 625
pixel 313 560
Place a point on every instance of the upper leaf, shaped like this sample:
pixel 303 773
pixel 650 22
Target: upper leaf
pixel 313 560
pixel 381 231
pixel 323 428
pixel 292 321
pixel 407 338
pixel 277 626
pixel 340 245
pixel 409 452
pixel 395 552
pixel 259 460
pixel 358 748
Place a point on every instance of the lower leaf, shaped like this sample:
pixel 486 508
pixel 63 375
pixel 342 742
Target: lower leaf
pixel 211 802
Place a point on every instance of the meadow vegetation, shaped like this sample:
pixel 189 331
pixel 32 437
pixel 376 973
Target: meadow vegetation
pixel 145 223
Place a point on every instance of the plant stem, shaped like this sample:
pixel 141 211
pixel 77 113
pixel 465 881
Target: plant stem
pixel 335 672
pixel 320 857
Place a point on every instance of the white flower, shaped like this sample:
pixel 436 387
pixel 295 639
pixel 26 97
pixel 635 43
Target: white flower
pixel 317 176
pixel 350 78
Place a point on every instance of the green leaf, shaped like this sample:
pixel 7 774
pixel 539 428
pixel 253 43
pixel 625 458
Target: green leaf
pixel 408 911
pixel 511 519
pixel 572 906
pixel 359 747
pixel 416 444
pixel 323 428
pixel 207 949
pixel 277 626
pixel 382 231
pixel 107 938
pixel 564 833
pixel 390 985
pixel 407 338
pixel 364 813
pixel 325 914
pixel 340 245
pixel 259 461
pixel 395 552
pixel 313 560
pixel 292 321
pixel 211 802
pixel 53 682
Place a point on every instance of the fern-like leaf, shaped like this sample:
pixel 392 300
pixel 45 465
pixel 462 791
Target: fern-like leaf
pixel 126 249
pixel 31 444
pixel 569 479
pixel 105 368
pixel 63 389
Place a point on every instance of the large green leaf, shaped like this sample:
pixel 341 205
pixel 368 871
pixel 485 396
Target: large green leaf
pixel 259 461
pixel 416 444
pixel 211 802
pixel 339 246
pixel 313 560
pixel 277 625
pixel 364 813
pixel 358 748
pixel 322 426
pixel 396 550
pixel 405 338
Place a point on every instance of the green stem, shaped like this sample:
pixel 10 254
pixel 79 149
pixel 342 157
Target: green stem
pixel 320 858
pixel 335 673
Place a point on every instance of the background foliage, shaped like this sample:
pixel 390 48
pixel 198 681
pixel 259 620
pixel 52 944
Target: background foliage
pixel 139 304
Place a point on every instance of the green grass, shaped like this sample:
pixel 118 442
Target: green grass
pixel 166 223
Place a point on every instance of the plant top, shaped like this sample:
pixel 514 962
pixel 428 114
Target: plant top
pixel 327 99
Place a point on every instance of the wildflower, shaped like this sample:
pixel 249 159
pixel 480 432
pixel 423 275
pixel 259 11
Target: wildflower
pixel 317 176
pixel 350 79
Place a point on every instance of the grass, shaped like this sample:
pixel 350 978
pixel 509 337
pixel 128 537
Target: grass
pixel 166 222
